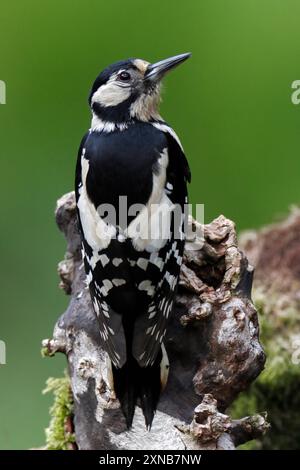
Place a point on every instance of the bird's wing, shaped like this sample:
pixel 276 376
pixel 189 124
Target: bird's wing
pixel 110 326
pixel 150 327
pixel 95 259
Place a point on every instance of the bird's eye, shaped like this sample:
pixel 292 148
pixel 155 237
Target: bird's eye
pixel 124 76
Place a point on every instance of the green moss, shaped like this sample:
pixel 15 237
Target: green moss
pixel 251 445
pixel 57 436
pixel 277 388
pixel 46 353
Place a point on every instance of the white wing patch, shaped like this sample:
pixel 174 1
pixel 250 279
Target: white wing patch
pixel 97 233
pixel 150 230
pixel 117 261
pixel 118 282
pixel 142 263
pixel 104 260
pixel 147 286
pixel 106 286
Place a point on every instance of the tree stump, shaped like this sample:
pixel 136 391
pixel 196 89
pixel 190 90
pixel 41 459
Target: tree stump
pixel 212 343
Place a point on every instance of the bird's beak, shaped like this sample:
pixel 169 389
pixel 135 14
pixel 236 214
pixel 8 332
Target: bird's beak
pixel 156 72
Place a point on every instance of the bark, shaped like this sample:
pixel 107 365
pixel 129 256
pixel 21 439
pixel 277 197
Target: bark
pixel 274 250
pixel 212 343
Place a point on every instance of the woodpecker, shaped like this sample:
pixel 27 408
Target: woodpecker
pixel 132 266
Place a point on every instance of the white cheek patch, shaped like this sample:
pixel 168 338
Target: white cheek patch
pixel 111 94
pixel 96 232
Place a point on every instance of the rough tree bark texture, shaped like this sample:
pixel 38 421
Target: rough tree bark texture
pixel 212 344
pixel 275 252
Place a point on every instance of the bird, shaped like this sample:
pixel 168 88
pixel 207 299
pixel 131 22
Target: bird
pixel 131 194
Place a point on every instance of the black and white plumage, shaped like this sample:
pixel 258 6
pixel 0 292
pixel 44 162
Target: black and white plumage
pixel 132 265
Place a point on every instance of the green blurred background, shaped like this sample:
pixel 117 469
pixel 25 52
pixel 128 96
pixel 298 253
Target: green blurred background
pixel 230 104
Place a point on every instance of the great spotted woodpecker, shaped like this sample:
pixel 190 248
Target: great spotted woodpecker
pixel 132 263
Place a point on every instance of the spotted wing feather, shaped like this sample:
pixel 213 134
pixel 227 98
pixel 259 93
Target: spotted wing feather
pixel 150 328
pixel 110 323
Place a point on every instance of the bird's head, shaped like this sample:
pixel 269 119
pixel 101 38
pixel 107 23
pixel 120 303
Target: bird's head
pixel 130 89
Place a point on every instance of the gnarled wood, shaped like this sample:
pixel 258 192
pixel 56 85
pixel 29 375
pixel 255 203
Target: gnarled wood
pixel 212 344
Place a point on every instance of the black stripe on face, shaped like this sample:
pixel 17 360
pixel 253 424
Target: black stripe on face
pixel 117 114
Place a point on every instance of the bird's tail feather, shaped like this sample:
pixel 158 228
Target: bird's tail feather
pixel 133 383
